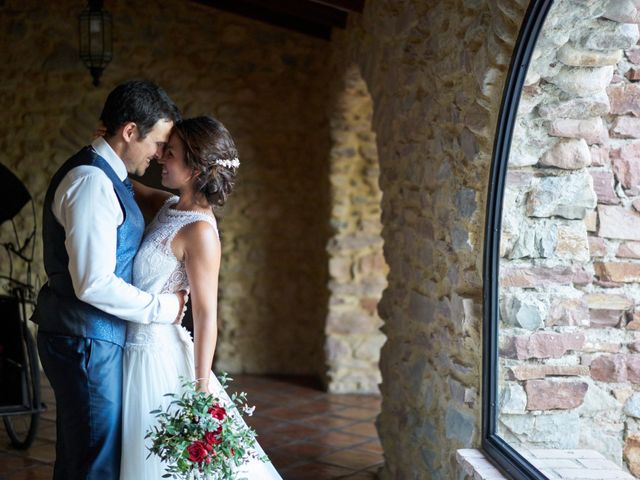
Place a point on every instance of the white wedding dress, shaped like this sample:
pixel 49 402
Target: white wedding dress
pixel 156 355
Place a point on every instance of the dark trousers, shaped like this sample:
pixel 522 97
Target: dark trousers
pixel 86 377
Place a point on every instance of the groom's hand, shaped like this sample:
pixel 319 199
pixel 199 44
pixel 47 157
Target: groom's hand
pixel 183 297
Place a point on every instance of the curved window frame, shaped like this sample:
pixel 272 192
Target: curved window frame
pixel 497 449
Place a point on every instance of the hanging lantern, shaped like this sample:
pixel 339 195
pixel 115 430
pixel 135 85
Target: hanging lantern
pixel 96 42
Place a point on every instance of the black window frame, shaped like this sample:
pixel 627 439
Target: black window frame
pixel 496 448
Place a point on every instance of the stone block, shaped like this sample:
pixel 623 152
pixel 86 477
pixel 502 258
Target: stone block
pixel 633 368
pixel 544 276
pixel 609 368
pixel 529 372
pixel 575 107
pixel 571 242
pixel 567 154
pixel 610 35
pixel 553 395
pixel 592 130
pixel 618 222
pixel 632 452
pixel 534 240
pixel 603 186
pixel 459 425
pixel 574 56
pixel 633 54
pixel 602 318
pixel 626 127
pixel 583 81
pixel 599 155
pixel 600 301
pixel 543 345
pixel 568 196
pixel 632 406
pixel 633 74
pixel 351 322
pixel 524 310
pixel 597 247
pixel 626 165
pixel 568 311
pixel 513 399
pixel 623 272
pixel 628 250
pixel 624 98
pixel 623 11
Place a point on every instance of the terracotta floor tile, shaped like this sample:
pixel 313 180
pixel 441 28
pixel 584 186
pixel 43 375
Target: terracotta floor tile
pixel 296 431
pixel 358 413
pixel 363 475
pixel 314 471
pixel 363 428
pixel 305 450
pixel 366 401
pixel 372 446
pixel 11 463
pixel 307 434
pixel 34 473
pixel 339 439
pixel 352 458
pixel 329 422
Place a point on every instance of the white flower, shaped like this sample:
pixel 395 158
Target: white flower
pixel 248 410
pixel 234 163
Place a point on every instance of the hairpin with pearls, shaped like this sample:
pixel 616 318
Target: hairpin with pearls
pixel 233 163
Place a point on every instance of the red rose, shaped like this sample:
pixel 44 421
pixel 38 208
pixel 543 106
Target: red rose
pixel 199 452
pixel 217 412
pixel 213 438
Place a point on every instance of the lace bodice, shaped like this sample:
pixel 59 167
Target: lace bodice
pixel 156 269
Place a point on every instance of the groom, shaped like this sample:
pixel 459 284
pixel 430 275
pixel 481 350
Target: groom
pixel 92 229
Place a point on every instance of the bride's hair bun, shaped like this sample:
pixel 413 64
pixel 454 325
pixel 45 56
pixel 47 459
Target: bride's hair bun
pixel 210 150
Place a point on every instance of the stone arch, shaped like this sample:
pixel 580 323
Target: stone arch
pixel 436 72
pixel 357 269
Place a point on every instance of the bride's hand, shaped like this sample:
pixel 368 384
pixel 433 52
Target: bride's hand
pixel 202 385
pixel 183 298
pixel 100 131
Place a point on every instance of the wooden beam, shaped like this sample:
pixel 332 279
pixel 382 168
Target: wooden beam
pixel 344 5
pixel 260 12
pixel 304 9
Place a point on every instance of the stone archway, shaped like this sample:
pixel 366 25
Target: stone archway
pixel 357 269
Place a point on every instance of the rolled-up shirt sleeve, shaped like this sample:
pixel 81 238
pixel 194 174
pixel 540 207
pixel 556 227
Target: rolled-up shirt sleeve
pixel 87 207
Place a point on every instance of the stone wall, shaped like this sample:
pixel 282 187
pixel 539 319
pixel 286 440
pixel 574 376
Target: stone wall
pixel 569 269
pixel 356 264
pixel 435 71
pixel 268 85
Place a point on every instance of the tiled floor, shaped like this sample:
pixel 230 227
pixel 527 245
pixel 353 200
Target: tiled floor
pixel 308 434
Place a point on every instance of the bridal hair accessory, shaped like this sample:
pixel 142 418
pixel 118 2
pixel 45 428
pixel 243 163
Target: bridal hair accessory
pixel 233 163
pixel 199 435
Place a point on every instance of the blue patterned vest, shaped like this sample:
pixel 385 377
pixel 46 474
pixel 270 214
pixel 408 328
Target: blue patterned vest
pixel 58 310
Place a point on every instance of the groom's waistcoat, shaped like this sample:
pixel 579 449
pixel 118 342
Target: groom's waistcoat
pixel 58 310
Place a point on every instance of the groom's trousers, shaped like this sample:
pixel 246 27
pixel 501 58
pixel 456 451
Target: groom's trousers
pixel 86 377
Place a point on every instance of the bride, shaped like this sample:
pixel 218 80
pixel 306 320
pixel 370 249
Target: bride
pixel 180 249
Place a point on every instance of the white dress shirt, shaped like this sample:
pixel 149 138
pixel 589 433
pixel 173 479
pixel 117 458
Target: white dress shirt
pixel 87 207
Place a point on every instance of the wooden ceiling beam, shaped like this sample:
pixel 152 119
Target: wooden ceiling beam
pixel 307 10
pixel 311 17
pixel 344 5
pixel 260 11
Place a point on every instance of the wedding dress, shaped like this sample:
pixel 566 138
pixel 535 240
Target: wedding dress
pixel 156 355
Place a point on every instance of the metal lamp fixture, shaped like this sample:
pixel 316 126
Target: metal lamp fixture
pixel 96 42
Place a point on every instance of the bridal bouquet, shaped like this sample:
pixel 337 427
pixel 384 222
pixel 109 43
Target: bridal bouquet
pixel 199 436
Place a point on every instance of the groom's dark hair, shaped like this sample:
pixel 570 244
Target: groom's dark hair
pixel 138 101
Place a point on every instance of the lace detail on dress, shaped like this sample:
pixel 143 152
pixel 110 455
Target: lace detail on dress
pixel 155 268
